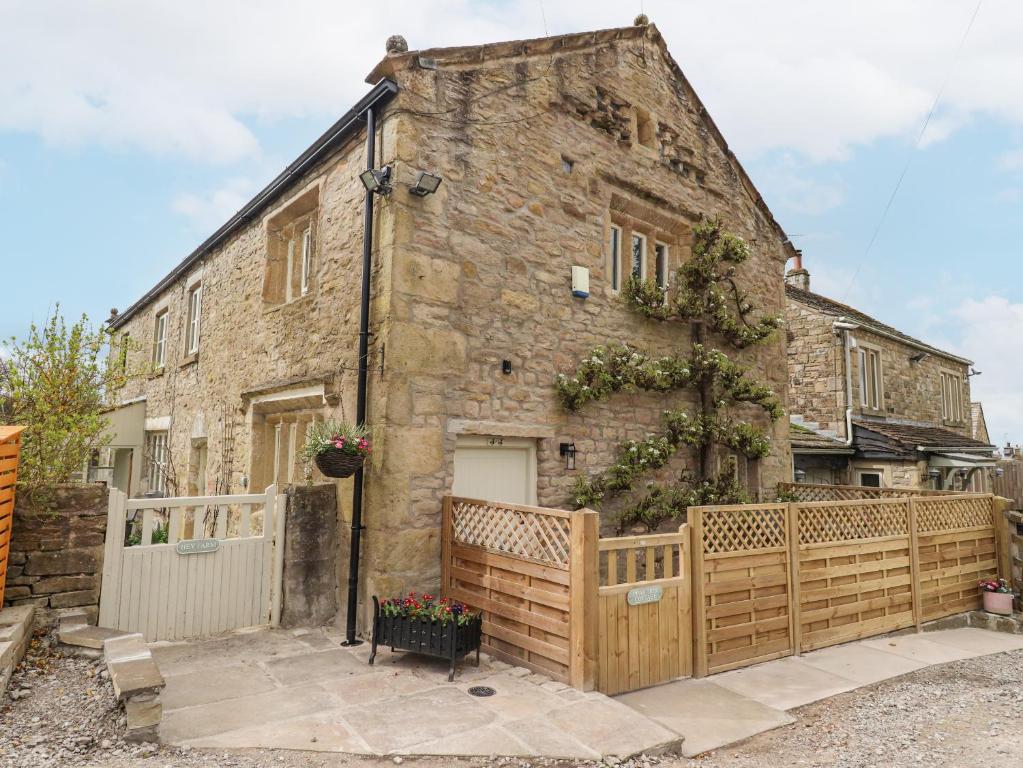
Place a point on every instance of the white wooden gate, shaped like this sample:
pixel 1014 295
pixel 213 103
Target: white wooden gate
pixel 219 568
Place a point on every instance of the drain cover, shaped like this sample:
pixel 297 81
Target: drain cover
pixel 481 690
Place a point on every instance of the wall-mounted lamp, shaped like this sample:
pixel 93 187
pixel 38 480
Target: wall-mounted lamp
pixel 934 473
pixel 799 475
pixel 426 184
pixel 376 180
pixel 568 451
pixel 973 372
pixel 999 472
pixel 919 357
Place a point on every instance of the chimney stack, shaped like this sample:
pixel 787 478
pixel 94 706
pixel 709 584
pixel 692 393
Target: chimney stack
pixel 798 277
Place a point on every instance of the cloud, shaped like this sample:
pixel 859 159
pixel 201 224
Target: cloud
pixel 989 331
pixel 209 209
pixel 190 78
pixel 791 187
pixel 1011 160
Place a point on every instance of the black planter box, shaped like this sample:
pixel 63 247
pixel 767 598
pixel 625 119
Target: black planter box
pixel 430 638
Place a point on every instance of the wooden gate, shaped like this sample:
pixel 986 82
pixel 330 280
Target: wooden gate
pixel 216 568
pixel 10 449
pixel 644 616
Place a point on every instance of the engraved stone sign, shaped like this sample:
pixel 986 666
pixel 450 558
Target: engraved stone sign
pixel 644 595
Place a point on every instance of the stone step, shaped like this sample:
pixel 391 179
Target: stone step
pixel 87 636
pixel 137 684
pixel 15 633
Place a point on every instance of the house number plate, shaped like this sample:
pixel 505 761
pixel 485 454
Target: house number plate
pixel 197 546
pixel 644 595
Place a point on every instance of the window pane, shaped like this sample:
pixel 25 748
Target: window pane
pixel 870 479
pixel 661 262
pixel 616 258
pixel 638 253
pixel 306 259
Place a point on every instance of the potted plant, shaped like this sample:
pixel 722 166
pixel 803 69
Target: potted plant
pixel 423 624
pixel 997 596
pixel 338 449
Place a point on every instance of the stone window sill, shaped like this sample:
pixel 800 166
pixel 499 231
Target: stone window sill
pixel 285 304
pixel 190 360
pixel 157 373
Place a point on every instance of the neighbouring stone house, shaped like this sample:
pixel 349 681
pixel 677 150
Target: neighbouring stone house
pixel 584 150
pixel 873 406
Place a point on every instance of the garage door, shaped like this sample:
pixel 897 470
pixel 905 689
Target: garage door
pixel 496 469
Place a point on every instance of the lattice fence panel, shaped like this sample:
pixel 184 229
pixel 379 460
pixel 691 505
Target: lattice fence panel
pixel 512 530
pixel 862 520
pixel 951 514
pixel 740 529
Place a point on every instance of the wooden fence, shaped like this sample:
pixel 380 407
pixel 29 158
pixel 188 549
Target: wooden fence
pixel 532 573
pixel 814 492
pixel 1010 483
pixel 737 585
pixel 10 450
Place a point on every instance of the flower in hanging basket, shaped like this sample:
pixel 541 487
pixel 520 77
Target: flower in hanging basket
pixel 338 449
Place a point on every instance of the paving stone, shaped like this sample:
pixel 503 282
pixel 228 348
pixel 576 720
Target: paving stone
pixel 861 664
pixel 979 641
pixel 369 689
pixel 920 648
pixel 520 672
pixel 489 740
pixel 322 732
pixel 208 685
pixel 397 724
pixel 87 636
pixel 125 647
pixel 536 732
pixel 706 715
pixel 308 667
pixel 190 723
pixel 516 697
pixel 135 676
pixel 784 684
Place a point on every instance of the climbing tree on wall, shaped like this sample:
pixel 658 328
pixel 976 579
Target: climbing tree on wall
pixel 719 313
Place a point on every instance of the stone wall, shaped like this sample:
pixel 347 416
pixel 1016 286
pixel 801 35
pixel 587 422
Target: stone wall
pixel 57 559
pixel 816 364
pixel 310 591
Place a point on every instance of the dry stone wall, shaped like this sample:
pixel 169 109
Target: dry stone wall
pixel 57 558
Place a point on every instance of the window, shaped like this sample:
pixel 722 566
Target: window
pixel 644 128
pixel 307 259
pixel 290 249
pixel 194 313
pixel 156 462
pixel 661 265
pixel 638 256
pixel 616 258
pixel 870 378
pixel 870 479
pixel 951 396
pixel 160 340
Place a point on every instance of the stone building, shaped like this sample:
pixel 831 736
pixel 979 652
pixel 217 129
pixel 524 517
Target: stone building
pixel 571 151
pixel 873 406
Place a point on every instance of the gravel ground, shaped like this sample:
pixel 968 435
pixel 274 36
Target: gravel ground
pixel 60 711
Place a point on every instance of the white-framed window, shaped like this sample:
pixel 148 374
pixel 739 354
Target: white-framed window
pixel 638 268
pixel 661 265
pixel 307 260
pixel 160 340
pixel 615 248
pixel 871 383
pixel 156 462
pixel 194 315
pixel 290 271
pixel 951 396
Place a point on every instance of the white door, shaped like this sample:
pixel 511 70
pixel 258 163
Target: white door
pixel 496 469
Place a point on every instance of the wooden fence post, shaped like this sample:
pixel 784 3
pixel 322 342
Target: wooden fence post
pixel 445 547
pixel 1003 535
pixel 914 564
pixel 695 516
pixel 274 514
pixel 113 553
pixel 795 621
pixel 685 602
pixel 584 582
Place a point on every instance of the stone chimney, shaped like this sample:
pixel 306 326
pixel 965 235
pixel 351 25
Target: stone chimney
pixel 798 277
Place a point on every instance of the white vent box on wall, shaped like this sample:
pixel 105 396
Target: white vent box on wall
pixel 580 282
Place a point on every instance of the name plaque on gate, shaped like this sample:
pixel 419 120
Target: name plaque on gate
pixel 197 546
pixel 644 595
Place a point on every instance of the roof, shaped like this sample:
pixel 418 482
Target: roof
pixel 349 124
pixel 547 46
pixel 912 436
pixel 805 440
pixel 838 309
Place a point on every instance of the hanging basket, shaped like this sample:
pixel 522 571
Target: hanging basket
pixel 334 463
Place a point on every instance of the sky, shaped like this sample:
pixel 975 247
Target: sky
pixel 131 129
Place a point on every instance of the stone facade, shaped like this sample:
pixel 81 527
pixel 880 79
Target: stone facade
pixel 910 378
pixel 542 145
pixel 57 559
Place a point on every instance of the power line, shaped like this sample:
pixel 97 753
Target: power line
pixel 916 146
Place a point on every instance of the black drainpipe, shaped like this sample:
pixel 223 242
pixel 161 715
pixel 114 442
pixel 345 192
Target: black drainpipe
pixel 360 402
